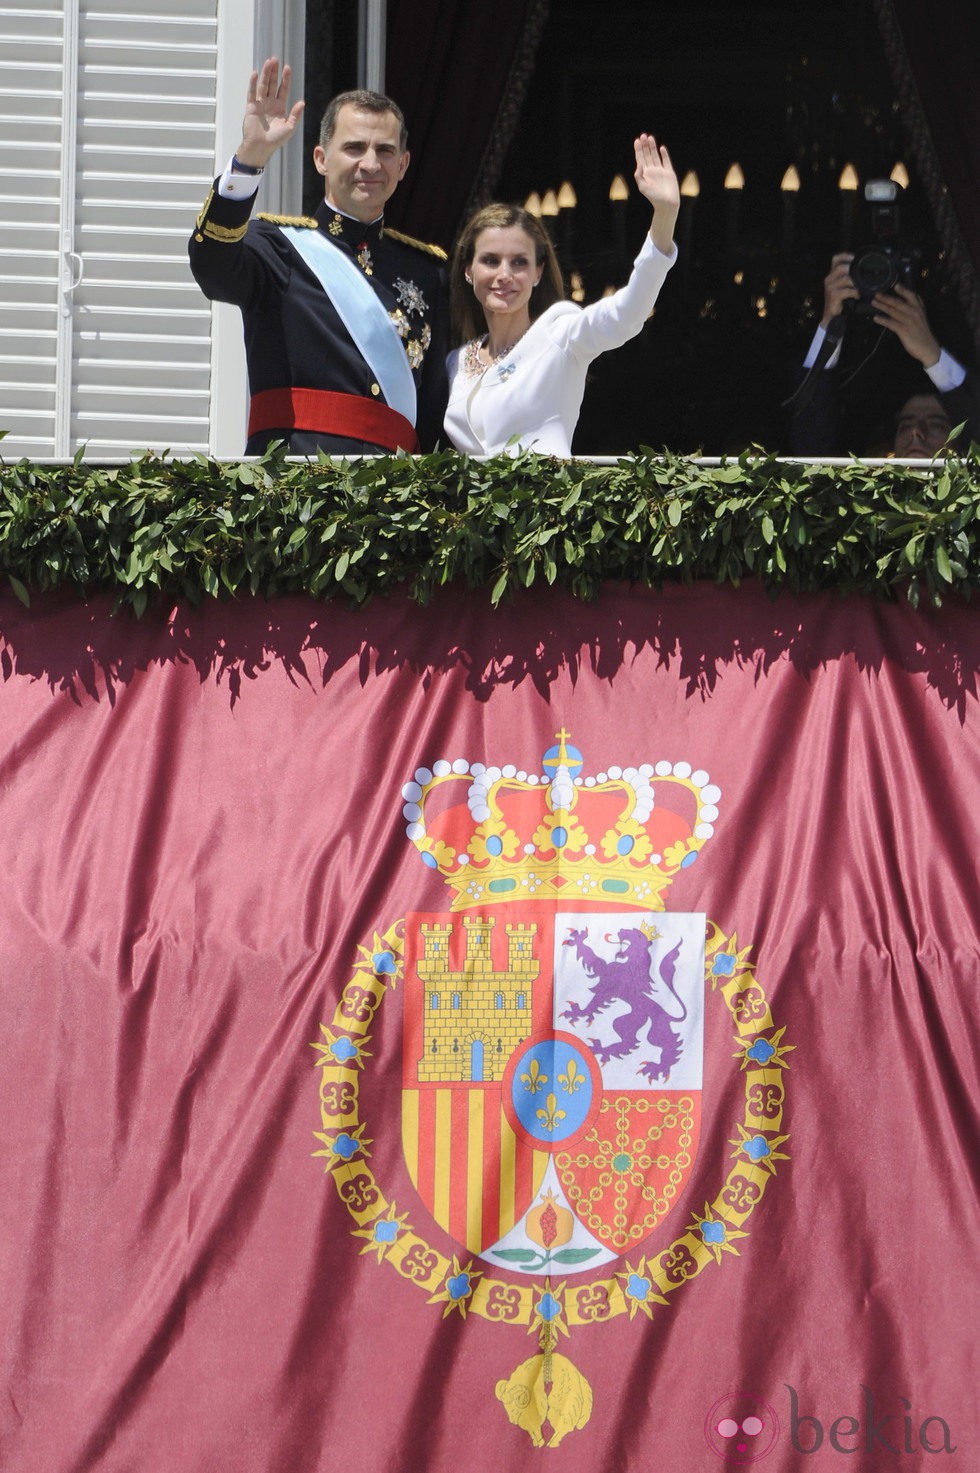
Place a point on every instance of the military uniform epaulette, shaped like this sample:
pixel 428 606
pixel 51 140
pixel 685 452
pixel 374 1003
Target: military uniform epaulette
pixel 420 245
pixel 306 220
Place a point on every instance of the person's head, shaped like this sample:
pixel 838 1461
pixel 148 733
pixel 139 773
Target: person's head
pixel 922 427
pixel 494 237
pixel 362 153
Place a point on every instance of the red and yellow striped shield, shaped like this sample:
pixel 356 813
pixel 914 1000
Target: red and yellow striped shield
pixel 552 1076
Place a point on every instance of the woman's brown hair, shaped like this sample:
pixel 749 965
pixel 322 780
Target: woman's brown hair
pixel 467 315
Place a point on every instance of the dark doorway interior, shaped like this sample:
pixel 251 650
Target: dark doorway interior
pixel 762 83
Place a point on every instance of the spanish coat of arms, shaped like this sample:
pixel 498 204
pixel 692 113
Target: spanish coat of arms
pixel 553 1060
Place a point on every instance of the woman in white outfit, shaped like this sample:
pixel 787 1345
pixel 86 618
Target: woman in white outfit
pixel 517 382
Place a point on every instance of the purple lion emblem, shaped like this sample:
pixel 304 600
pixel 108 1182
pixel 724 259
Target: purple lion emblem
pixel 627 979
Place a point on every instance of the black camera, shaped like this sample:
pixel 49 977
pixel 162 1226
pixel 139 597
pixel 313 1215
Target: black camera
pixel 887 260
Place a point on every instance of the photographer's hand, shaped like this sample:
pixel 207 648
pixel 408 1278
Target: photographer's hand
pixel 904 314
pixel 838 287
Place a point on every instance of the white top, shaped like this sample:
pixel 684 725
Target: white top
pixel 530 399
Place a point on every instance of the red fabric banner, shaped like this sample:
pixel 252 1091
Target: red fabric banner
pixel 439 1039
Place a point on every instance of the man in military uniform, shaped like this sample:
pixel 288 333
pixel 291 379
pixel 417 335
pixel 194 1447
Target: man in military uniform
pixel 345 321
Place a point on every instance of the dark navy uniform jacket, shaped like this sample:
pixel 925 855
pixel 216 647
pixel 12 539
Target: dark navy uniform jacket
pixel 294 337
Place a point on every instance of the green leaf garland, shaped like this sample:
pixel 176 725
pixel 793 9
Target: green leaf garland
pixel 358 529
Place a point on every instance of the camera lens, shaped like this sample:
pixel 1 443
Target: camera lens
pixel 873 270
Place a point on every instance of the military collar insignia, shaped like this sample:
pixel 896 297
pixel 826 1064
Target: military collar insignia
pixel 361 238
pixel 335 222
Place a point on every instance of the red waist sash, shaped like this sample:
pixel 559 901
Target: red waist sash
pixel 327 413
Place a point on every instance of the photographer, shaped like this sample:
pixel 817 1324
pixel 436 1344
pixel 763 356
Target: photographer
pixel 868 290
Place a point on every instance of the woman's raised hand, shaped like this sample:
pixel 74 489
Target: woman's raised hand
pixel 655 177
pixel 657 182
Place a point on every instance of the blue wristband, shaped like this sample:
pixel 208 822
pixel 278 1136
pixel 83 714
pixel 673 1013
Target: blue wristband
pixel 237 167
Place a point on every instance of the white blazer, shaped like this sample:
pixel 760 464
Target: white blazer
pixel 531 399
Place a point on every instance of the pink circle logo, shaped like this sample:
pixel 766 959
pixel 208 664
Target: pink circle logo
pixel 741 1427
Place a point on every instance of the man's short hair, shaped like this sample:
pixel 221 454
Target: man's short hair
pixel 369 102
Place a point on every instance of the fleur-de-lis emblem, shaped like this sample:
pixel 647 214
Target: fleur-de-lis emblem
pixel 534 1080
pixel 551 1117
pixel 572 1079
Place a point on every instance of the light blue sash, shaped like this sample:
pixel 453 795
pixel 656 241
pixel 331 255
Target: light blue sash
pixel 363 315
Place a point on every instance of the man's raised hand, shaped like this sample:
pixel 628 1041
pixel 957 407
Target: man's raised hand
pixel 269 121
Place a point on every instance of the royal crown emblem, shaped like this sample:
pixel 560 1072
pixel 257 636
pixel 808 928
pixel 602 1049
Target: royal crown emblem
pixel 496 833
pixel 553 1061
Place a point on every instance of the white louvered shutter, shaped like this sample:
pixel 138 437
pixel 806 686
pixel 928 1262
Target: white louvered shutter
pixel 145 145
pixel 33 337
pixel 107 141
pixel 110 113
